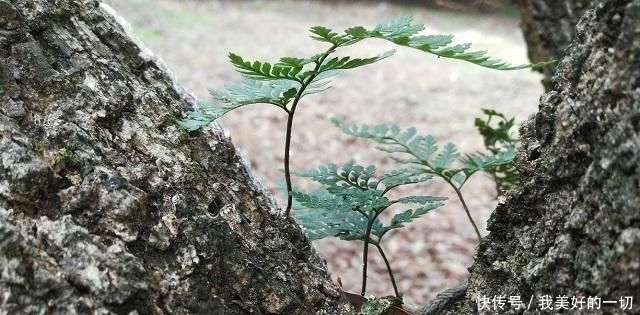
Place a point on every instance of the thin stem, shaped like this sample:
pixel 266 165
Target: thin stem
pixel 466 209
pixel 365 255
pixel 291 112
pixel 386 262
pixel 287 149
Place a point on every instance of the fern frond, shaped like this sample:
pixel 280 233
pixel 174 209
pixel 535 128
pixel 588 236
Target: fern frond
pixel 403 32
pixel 351 197
pixel 295 62
pixel 444 159
pixel 323 213
pixel 338 63
pixel 427 203
pixel 259 70
pixel 324 34
pixel 206 114
pixel 320 82
pixel 277 92
pixel 393 140
pixel 497 137
pixel 346 175
pixel 401 27
pixel 407 147
pixel 399 220
pixel 485 162
pixel 402 177
pixel 320 218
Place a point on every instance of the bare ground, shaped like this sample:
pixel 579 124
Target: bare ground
pixel 439 97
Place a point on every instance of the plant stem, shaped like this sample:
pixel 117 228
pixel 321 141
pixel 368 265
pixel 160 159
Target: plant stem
pixel 365 255
pixel 287 148
pixel 466 209
pixel 291 112
pixel 386 262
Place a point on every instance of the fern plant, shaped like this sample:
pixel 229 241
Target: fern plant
pixel 497 132
pixel 352 198
pixel 283 84
pixel 423 153
pixel 351 201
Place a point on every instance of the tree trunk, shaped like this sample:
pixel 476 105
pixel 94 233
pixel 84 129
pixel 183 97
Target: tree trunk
pixel 549 27
pixel 573 230
pixel 106 207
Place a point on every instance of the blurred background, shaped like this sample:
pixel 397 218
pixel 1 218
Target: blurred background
pixel 438 96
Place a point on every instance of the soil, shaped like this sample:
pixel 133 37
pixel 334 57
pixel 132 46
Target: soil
pixel 438 96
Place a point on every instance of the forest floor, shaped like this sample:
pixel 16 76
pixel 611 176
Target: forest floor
pixel 438 96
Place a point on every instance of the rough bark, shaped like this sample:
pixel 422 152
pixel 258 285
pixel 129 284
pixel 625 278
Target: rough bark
pixel 548 27
pixel 106 207
pixel 574 228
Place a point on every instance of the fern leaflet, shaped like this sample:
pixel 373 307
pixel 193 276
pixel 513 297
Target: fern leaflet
pixel 353 195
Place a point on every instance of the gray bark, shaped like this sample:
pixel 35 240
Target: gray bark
pixel 548 27
pixel 106 207
pixel 574 228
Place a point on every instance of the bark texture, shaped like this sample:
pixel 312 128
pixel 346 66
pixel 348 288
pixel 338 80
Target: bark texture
pixel 574 228
pixel 106 207
pixel 549 27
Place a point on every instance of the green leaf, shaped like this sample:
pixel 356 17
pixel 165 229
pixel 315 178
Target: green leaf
pixel 496 134
pixel 320 82
pixel 338 63
pixel 399 28
pixel 428 203
pixel 258 70
pixel 402 177
pixel 430 42
pixel 195 121
pixel 496 130
pixel 407 216
pixel 404 32
pixel 486 162
pixel 423 200
pixel 459 179
pixel 324 34
pixel 395 141
pixel 407 147
pixel 205 115
pixel 352 198
pixel 294 62
pixel 277 92
pixel 320 215
pixel 346 175
pixel 444 159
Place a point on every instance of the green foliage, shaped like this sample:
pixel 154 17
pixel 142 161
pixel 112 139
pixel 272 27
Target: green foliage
pixel 423 153
pixel 407 147
pixel 497 139
pixel 292 78
pixel 352 197
pixel 283 84
pixel 351 200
